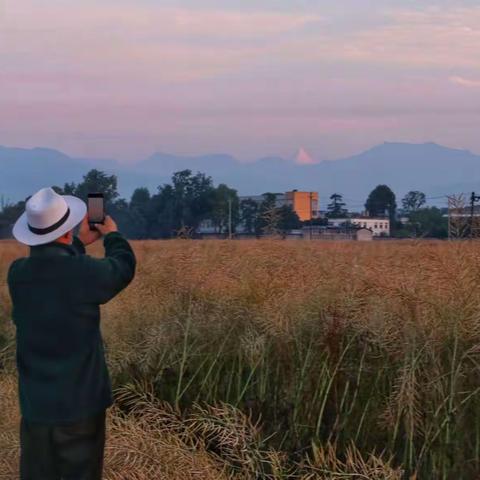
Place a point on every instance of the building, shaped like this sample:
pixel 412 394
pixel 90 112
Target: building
pixel 364 235
pixel 207 228
pixel 322 232
pixel 380 227
pixel 305 204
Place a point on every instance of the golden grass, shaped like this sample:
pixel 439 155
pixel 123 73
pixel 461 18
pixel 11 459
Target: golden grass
pixel 276 359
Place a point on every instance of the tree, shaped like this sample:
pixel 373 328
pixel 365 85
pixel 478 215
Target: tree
pixel 270 221
pixel 268 217
pixel 248 214
pixel 181 206
pixel 193 197
pixel 429 222
pixel 413 201
pixel 9 214
pixel 225 208
pixel 140 199
pixel 336 208
pixel 93 181
pixel 127 222
pixel 161 213
pixel 288 219
pixel 136 213
pixel 380 202
pixel 70 188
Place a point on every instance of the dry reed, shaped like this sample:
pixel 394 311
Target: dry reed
pixel 281 360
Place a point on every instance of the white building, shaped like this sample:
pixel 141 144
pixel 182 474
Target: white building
pixel 380 227
pixel 364 235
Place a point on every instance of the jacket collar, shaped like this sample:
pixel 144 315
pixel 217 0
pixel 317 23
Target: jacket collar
pixel 52 249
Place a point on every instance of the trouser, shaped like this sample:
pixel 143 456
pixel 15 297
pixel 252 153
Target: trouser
pixel 71 451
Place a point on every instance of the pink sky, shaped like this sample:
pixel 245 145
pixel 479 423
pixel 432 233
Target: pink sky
pixel 123 79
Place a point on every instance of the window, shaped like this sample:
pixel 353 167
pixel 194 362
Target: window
pixel 376 226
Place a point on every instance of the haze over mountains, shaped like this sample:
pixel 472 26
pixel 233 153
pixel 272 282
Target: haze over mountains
pixel 429 167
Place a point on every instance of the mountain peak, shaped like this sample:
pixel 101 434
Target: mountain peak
pixel 426 149
pixel 303 158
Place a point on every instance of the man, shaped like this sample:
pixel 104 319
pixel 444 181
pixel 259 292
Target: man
pixel 64 385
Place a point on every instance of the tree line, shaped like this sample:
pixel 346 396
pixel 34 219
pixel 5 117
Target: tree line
pixel 178 208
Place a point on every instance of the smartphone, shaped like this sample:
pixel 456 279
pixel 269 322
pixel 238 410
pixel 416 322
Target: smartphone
pixel 96 209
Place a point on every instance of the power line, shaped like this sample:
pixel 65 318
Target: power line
pixel 357 203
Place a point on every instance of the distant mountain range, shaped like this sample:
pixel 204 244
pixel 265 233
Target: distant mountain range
pixel 431 168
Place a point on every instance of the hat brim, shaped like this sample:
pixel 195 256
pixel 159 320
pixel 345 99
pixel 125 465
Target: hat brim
pixel 78 210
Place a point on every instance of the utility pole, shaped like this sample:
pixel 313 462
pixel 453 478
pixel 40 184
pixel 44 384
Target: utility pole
pixel 229 218
pixel 473 199
pixel 311 214
pixel 450 201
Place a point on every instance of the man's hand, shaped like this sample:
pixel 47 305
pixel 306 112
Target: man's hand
pixel 85 235
pixel 107 227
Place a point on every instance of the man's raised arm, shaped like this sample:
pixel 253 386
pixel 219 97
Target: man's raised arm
pixel 109 275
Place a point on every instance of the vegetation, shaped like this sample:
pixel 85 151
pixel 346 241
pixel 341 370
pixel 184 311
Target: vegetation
pixel 273 220
pixel 177 209
pixel 413 201
pixel 380 202
pixel 428 222
pixel 336 207
pixel 278 360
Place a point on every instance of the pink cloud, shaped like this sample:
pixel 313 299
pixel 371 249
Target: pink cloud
pixel 165 45
pixel 131 78
pixel 145 20
pixel 154 42
pixel 465 82
pixel 411 38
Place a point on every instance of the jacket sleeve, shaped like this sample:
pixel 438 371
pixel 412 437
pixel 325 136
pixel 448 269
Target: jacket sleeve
pixel 78 246
pixel 11 284
pixel 110 275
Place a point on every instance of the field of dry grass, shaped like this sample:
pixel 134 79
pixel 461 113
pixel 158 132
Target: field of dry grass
pixel 277 360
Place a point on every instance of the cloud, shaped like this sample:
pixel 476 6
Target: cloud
pixel 430 38
pixel 148 21
pixel 128 66
pixel 163 44
pixel 465 82
pixel 423 39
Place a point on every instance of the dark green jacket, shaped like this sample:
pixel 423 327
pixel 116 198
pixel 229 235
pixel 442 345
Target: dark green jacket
pixel 56 293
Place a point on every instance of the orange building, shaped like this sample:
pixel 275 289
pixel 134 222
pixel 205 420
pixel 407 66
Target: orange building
pixel 305 204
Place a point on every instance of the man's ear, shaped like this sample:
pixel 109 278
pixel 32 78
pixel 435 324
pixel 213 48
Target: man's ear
pixel 66 238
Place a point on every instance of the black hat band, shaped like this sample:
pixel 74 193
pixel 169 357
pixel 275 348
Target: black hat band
pixel 44 231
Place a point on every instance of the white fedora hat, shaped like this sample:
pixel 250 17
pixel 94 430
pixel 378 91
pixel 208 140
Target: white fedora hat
pixel 47 217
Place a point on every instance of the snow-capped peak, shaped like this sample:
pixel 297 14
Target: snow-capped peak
pixel 303 158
